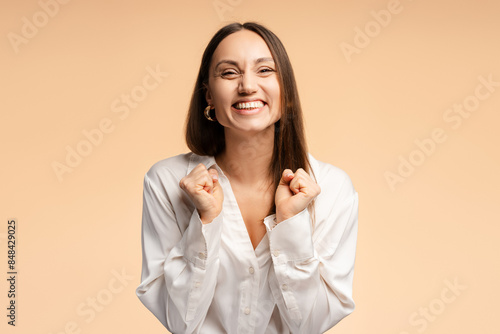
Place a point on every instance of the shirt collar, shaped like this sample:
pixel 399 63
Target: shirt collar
pixel 209 161
pixel 195 160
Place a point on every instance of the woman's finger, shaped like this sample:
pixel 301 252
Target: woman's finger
pixel 213 174
pixel 286 177
pixel 198 178
pixel 210 178
pixel 297 184
pixel 302 182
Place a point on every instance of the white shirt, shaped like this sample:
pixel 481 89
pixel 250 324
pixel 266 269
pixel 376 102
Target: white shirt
pixel 207 278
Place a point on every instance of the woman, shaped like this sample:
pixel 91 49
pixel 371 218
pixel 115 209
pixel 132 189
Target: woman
pixel 248 233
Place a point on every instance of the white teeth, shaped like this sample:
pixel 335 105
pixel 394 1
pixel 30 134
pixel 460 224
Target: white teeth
pixel 249 105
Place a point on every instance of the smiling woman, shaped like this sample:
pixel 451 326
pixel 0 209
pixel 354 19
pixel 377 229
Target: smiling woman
pixel 243 83
pixel 247 233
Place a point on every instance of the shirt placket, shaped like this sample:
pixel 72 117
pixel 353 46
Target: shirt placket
pixel 249 265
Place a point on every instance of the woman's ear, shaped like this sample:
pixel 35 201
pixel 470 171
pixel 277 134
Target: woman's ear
pixel 208 95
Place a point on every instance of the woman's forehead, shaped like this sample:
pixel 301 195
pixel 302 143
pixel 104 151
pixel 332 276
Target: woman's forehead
pixel 241 47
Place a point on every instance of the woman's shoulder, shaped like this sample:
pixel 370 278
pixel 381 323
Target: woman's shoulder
pixel 332 177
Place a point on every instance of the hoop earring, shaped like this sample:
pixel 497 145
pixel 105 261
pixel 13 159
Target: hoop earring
pixel 207 114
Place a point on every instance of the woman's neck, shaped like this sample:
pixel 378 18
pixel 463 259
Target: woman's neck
pixel 247 157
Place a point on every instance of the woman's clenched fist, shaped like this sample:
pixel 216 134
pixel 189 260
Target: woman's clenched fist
pixel 203 187
pixel 294 193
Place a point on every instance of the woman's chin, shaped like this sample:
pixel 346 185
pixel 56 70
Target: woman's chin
pixel 252 128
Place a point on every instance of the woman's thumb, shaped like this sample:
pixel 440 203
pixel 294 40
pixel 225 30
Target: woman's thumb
pixel 214 175
pixel 286 177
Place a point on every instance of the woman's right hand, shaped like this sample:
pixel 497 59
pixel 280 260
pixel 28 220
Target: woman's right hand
pixel 203 187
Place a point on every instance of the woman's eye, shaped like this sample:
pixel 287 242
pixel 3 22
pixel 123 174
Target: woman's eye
pixel 228 74
pixel 266 70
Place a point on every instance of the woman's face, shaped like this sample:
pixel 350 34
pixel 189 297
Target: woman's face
pixel 243 84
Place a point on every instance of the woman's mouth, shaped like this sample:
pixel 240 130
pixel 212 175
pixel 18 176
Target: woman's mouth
pixel 249 105
pixel 248 108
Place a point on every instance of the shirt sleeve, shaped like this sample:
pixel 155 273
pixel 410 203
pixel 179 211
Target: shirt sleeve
pixel 179 269
pixel 312 274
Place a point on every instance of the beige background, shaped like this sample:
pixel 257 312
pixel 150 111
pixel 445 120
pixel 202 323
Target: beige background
pixel 362 112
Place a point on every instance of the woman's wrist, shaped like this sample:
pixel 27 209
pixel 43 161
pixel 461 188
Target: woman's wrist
pixel 207 218
pixel 281 216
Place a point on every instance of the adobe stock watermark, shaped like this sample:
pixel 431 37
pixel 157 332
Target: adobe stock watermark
pixel 121 108
pixel 89 309
pixel 421 318
pixel 32 25
pixel 454 117
pixel 381 19
pixel 221 7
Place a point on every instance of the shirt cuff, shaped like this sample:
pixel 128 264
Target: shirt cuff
pixel 270 222
pixel 202 241
pixel 291 239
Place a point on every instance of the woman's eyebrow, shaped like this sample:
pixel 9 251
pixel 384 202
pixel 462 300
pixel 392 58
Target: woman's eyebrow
pixel 260 60
pixel 232 62
pixel 225 61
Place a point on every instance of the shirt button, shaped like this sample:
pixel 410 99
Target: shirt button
pixel 202 256
pixel 251 270
pixel 276 252
pixel 284 287
pixel 197 284
pixel 247 311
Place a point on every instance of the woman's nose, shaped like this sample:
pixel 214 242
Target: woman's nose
pixel 248 84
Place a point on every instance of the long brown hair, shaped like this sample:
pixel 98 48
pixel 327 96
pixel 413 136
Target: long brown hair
pixel 204 137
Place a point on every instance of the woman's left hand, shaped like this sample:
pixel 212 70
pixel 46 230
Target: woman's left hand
pixel 294 193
